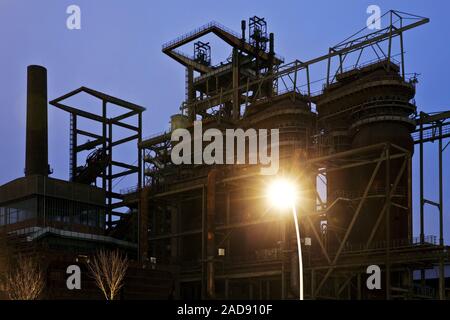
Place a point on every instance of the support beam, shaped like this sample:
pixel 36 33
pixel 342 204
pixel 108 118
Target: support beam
pixel 352 222
pixel 210 234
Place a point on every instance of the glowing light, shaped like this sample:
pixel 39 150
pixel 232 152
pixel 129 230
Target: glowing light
pixel 282 193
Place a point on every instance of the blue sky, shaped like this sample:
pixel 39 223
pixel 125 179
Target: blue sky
pixel 118 51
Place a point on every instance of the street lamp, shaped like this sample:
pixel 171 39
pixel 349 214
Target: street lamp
pixel 283 194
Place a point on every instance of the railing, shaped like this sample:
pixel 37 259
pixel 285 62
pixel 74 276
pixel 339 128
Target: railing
pixel 396 243
pixel 354 194
pixel 432 132
pixel 424 291
pixel 260 255
pixel 374 61
pixel 199 30
pixel 181 53
pixel 212 24
pixel 157 134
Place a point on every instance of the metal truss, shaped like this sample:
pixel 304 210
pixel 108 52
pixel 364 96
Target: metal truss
pixel 101 162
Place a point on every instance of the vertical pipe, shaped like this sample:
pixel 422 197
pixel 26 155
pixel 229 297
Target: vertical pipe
pixel 104 147
pixel 410 205
pixel 243 30
pixel 110 173
pixel 73 149
pixel 140 153
pixel 295 77
pixel 328 67
pixel 422 236
pixel 441 196
pixel 190 93
pixel 390 44
pixel 308 83
pixel 271 43
pixel 141 227
pixel 210 241
pixel 236 98
pixel 441 220
pixel 388 222
pixel 36 157
pixel 402 56
pixel 269 85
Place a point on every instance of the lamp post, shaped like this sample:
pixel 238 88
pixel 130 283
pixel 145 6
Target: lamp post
pixel 283 194
pixel 299 248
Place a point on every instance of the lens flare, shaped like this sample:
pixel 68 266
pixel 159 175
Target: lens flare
pixel 282 193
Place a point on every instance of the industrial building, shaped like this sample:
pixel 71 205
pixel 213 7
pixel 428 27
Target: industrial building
pixel 62 223
pixel 207 231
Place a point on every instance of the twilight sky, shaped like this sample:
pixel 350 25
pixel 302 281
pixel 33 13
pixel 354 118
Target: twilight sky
pixel 118 51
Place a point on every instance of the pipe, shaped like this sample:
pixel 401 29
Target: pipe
pixel 36 161
pixel 210 234
pixel 243 29
pixel 271 43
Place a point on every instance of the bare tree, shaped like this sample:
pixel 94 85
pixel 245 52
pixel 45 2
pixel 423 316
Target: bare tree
pixel 24 281
pixel 108 268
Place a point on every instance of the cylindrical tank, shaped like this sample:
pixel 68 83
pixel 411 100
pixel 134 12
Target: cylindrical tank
pixel 179 121
pixel 374 102
pixel 398 134
pixel 36 136
pixel 293 118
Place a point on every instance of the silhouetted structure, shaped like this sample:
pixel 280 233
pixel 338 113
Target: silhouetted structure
pixel 64 222
pixel 349 145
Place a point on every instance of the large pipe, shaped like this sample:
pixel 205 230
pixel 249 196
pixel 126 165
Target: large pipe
pixel 271 43
pixel 36 161
pixel 243 27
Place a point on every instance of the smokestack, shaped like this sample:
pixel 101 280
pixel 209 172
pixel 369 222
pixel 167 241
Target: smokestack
pixel 271 43
pixel 36 158
pixel 243 29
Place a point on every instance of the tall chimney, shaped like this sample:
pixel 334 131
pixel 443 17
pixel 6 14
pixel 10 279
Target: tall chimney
pixel 36 158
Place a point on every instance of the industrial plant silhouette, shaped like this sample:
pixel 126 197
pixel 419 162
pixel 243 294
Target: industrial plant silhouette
pixel 205 231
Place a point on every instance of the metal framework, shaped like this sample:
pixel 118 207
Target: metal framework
pixel 295 76
pixel 334 267
pixel 358 42
pixel 344 262
pixel 330 271
pixel 257 32
pixel 202 53
pixel 101 162
pixel 247 61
